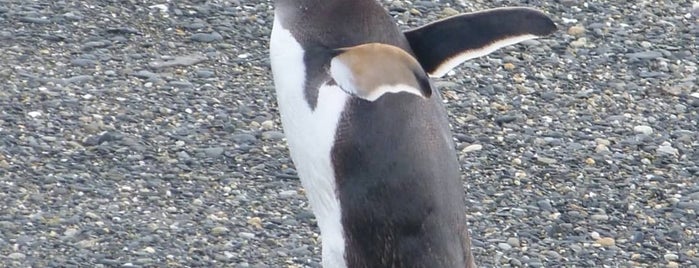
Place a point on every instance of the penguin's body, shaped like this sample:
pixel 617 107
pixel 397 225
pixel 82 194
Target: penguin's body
pixel 371 142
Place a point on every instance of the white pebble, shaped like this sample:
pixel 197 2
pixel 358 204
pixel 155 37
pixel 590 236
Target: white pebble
pixel 162 7
pixel 287 193
pixel 667 149
pixel 246 235
pixel 472 148
pixel 643 129
pixel 671 257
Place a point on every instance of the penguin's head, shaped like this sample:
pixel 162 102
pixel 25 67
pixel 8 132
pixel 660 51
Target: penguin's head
pixel 371 70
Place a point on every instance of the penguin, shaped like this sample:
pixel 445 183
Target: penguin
pixel 368 134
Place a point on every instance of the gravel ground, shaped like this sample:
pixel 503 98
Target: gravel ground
pixel 140 133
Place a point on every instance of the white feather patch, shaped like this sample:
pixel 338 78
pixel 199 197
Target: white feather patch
pixel 310 135
pixel 451 63
pixel 380 91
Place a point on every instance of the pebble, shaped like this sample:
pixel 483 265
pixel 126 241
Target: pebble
pixel 220 230
pixel 272 135
pixel 643 129
pixel 646 55
pixel 472 148
pixel 267 125
pixel 34 20
pixel 546 160
pixel 246 235
pixel 599 217
pixel 214 151
pixel 206 37
pixel 504 119
pixel 89 46
pixel 288 193
pixel 148 250
pixel 666 149
pixel 545 205
pixel 71 232
pixel 578 43
pixel 515 262
pixel 576 30
pixel 145 74
pixel 181 84
pixel 448 11
pixel 606 241
pixel 601 148
pixel 513 241
pixel 671 257
pixel 205 73
pixel 16 256
pixel 83 62
pixel 244 138
pixel 187 60
pixel 34 113
pixel 255 222
pixel 78 79
pixel 504 246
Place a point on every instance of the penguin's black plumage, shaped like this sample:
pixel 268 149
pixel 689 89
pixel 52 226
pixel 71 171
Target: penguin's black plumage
pixel 369 136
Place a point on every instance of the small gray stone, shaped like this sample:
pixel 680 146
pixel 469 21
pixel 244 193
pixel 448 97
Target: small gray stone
pixel 206 37
pixel 272 135
pixel 645 55
pixel 666 149
pixel 671 257
pixel 178 61
pixel 180 84
pixel 71 232
pixel 472 148
pixel 504 119
pixel 219 230
pixel 513 241
pixel 546 160
pixel 16 256
pixel 643 129
pixel 96 44
pixel 78 79
pixel 213 151
pixel 599 217
pixel 204 73
pixel 246 235
pixel 288 193
pixel 145 74
pixel 244 138
pixel 545 205
pixel 83 62
pixel 515 262
pixel 504 246
pixel 34 20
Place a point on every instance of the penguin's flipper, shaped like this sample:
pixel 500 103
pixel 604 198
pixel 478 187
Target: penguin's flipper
pixel 371 70
pixel 442 45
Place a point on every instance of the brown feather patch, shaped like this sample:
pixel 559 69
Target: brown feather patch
pixel 375 69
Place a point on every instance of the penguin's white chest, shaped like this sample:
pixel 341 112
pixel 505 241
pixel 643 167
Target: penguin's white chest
pixel 310 134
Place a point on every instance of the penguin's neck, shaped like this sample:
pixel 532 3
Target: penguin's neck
pixel 338 23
